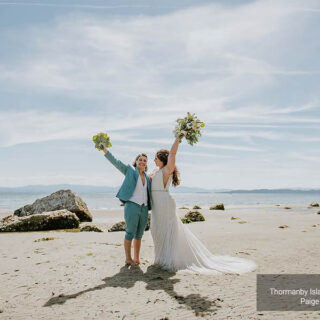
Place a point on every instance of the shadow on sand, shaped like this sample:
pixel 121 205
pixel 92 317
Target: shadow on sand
pixel 155 279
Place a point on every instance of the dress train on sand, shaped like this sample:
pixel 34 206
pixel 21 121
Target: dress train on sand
pixel 176 247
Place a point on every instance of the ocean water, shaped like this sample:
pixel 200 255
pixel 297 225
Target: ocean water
pixel 12 201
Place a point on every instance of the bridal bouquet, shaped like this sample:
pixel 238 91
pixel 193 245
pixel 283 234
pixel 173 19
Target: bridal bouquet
pixel 192 125
pixel 101 137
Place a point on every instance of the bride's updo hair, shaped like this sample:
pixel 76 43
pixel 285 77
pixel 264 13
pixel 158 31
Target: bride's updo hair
pixel 163 155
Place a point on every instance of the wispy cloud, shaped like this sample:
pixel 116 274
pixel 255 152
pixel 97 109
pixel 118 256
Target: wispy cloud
pixel 310 9
pixel 246 136
pixel 203 59
pixel 205 155
pixel 249 136
pixel 248 71
pixel 33 126
pixel 305 157
pixel 82 6
pixel 230 147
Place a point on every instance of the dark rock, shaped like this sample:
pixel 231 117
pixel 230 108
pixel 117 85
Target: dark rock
pixel 45 239
pixel 148 223
pixel 314 204
pixel 90 228
pixel 59 200
pixel 219 206
pixel 185 220
pixel 52 220
pixel 196 207
pixel 194 216
pixel 121 226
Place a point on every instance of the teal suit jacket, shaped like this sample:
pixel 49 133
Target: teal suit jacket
pixel 130 181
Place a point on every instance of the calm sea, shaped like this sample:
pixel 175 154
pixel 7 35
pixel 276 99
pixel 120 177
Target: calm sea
pixel 11 201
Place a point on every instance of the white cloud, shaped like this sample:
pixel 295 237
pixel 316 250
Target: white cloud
pixel 229 147
pixel 59 5
pixel 33 126
pixel 305 157
pixel 201 54
pixel 249 135
pixel 205 154
pixel 246 136
pixel 225 63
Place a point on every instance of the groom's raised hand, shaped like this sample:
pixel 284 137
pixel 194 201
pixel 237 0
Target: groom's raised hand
pixel 102 144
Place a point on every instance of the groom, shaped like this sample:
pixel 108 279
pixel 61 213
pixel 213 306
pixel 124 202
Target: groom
pixel 135 193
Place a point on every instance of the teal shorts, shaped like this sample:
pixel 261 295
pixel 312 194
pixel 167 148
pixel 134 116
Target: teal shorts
pixel 136 218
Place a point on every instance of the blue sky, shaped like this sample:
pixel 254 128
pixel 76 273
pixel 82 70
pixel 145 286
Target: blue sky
pixel 249 69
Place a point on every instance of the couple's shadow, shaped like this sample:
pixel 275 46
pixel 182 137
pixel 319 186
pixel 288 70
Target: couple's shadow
pixel 155 279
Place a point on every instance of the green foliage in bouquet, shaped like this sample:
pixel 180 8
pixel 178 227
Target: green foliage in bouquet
pixel 192 125
pixel 101 137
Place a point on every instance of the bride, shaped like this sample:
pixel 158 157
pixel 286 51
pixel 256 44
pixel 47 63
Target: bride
pixel 176 247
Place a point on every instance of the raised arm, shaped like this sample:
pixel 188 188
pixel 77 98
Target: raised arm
pixel 169 168
pixel 117 163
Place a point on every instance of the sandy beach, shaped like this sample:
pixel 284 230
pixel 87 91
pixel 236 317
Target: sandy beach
pixel 81 275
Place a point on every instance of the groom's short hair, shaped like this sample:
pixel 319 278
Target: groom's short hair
pixel 137 157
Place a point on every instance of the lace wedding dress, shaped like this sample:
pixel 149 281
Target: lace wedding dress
pixel 176 247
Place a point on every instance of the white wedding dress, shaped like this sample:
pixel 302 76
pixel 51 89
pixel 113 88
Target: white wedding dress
pixel 176 247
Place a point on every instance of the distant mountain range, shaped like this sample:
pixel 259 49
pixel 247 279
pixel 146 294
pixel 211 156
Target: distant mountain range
pixel 298 190
pixel 47 189
pixel 88 189
pixel 53 188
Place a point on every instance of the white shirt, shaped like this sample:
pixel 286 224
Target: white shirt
pixel 140 194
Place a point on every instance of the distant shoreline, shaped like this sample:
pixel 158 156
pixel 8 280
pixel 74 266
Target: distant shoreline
pixel 37 189
pixel 272 191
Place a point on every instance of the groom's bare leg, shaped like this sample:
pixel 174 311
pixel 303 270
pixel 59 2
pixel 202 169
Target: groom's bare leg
pixel 136 248
pixel 127 249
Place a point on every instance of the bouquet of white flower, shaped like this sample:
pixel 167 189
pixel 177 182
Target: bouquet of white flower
pixel 101 137
pixel 192 125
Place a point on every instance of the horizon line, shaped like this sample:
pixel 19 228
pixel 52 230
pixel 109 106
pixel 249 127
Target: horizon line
pixel 192 187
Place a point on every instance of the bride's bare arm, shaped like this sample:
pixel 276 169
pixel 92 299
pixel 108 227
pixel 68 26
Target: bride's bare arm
pixel 172 157
pixel 169 168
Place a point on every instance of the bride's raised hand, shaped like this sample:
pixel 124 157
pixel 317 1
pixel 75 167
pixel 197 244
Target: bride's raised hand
pixel 183 132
